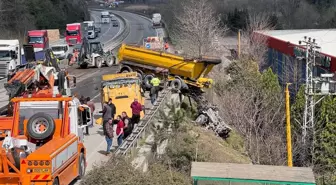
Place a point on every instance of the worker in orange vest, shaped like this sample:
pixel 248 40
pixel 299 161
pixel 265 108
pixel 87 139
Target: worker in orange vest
pixel 73 58
pixel 166 46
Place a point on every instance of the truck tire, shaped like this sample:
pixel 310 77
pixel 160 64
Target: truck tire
pixel 147 80
pixel 81 166
pixel 98 62
pixel 140 74
pixel 56 181
pixel 125 69
pixel 176 84
pixel 109 61
pixel 40 126
pixel 83 66
pixel 61 79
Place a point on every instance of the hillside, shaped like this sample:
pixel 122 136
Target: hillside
pixel 19 16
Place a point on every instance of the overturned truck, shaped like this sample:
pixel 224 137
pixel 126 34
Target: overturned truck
pixel 183 74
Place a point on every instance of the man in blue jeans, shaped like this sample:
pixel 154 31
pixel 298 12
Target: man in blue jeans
pixel 108 132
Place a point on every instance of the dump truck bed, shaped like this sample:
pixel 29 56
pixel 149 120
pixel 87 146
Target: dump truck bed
pixel 192 68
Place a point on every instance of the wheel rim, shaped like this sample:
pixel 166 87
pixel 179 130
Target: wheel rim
pixel 40 125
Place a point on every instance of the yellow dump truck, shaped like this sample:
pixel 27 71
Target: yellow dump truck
pixel 123 88
pixel 183 72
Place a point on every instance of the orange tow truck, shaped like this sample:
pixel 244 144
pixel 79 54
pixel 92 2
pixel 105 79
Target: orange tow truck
pixel 43 142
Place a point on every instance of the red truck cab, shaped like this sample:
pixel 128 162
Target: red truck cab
pixel 39 39
pixel 74 33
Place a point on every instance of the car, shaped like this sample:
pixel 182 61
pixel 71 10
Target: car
pixel 115 23
pixel 60 51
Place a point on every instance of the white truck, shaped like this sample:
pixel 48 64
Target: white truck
pixel 156 20
pixel 61 51
pixel 105 17
pixel 93 30
pixel 10 57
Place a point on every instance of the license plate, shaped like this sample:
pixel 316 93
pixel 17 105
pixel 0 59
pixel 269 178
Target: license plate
pixel 41 170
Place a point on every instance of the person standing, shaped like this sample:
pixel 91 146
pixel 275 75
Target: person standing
pixel 106 113
pixel 128 125
pixel 120 130
pixel 92 107
pixel 75 98
pixel 82 100
pixel 154 93
pixel 166 46
pixel 108 132
pixel 136 109
pixel 113 108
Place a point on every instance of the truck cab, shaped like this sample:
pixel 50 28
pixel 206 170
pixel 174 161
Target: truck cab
pixel 39 39
pixel 10 57
pixel 105 17
pixel 60 51
pixel 74 33
pixel 156 19
pixel 123 88
pixel 92 29
pixel 43 143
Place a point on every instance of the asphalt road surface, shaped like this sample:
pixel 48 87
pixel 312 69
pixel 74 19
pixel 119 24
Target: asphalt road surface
pixel 90 78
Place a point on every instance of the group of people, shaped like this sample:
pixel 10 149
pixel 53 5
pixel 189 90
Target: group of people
pixel 124 124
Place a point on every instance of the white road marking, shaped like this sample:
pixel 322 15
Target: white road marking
pixel 95 96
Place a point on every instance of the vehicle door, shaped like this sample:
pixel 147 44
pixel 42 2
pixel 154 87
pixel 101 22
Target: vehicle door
pixel 100 49
pixel 83 117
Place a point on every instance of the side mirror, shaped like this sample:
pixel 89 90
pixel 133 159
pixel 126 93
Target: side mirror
pixel 102 45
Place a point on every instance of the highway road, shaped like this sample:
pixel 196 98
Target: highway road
pixel 140 28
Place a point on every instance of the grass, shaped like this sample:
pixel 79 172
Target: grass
pixel 215 149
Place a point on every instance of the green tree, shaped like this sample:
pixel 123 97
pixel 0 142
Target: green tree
pixel 325 146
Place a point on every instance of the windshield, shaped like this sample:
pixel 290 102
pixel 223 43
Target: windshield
pixel 72 33
pixel 105 16
pixel 35 40
pixel 118 83
pixel 5 55
pixel 91 28
pixel 58 48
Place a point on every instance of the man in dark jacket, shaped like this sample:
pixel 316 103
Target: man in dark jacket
pixel 106 113
pixel 108 132
pixel 113 108
pixel 136 109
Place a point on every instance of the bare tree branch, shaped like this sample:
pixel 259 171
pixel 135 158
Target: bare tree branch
pixel 197 27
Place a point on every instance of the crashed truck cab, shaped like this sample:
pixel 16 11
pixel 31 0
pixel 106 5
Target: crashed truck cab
pixel 43 142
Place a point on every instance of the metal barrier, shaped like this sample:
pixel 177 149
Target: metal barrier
pixel 139 132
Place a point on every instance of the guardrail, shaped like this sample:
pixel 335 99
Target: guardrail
pixel 132 141
pixel 123 35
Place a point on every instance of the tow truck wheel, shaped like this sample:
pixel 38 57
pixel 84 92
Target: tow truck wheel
pixel 81 167
pixel 40 126
pixel 98 62
pixel 56 181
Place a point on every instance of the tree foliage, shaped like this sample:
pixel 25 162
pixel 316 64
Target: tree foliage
pixel 252 102
pixel 325 146
pixel 120 171
pixel 19 16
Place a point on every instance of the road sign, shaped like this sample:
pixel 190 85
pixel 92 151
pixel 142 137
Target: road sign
pixel 147 46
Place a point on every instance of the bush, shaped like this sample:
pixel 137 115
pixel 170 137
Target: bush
pixel 120 171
